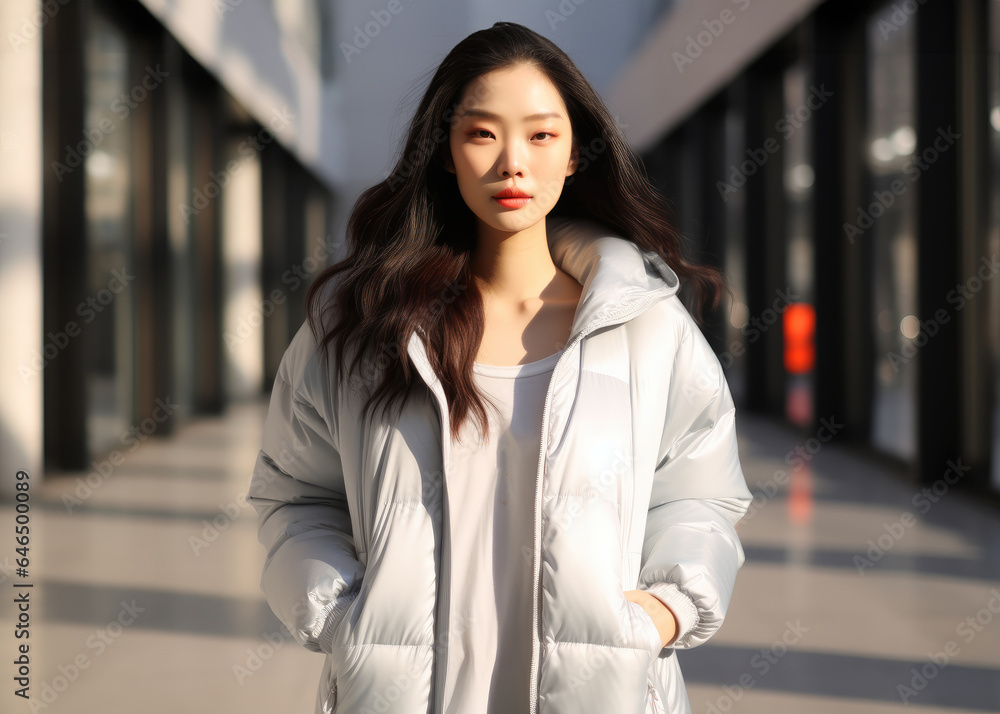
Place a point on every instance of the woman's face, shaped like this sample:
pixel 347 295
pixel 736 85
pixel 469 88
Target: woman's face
pixel 511 130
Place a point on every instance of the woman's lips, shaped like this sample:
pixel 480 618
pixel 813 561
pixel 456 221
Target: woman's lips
pixel 515 202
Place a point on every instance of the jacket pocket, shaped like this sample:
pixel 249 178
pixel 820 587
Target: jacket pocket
pixel 654 705
pixel 326 693
pixel 645 631
pixel 338 655
pixel 329 637
pixel 340 648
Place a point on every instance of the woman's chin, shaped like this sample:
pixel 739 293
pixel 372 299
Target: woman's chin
pixel 512 221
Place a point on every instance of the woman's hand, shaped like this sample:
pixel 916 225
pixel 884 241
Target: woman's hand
pixel 663 617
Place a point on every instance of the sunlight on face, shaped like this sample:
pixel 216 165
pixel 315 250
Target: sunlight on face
pixel 515 133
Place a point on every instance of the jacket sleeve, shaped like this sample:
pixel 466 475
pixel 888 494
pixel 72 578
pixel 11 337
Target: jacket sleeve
pixel 691 551
pixel 311 573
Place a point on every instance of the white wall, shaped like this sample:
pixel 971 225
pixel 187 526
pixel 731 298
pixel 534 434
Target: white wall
pixel 20 243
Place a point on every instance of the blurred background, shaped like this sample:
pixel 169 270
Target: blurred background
pixel 173 173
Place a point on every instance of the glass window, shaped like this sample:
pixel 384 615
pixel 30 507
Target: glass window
pixel 307 23
pixel 887 232
pixel 106 311
pixel 994 229
pixel 180 225
pixel 798 316
pixel 737 312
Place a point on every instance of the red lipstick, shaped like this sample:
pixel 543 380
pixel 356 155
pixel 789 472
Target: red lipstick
pixel 512 197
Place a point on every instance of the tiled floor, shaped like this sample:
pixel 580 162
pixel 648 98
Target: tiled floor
pixel 165 543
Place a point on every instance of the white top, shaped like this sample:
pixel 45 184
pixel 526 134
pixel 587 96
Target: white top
pixel 491 489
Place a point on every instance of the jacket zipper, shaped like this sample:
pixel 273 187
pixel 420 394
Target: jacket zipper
pixel 657 706
pixel 440 670
pixel 623 315
pixel 629 494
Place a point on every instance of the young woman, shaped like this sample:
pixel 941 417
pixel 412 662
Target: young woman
pixel 552 555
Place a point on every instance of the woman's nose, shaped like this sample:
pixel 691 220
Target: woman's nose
pixel 510 163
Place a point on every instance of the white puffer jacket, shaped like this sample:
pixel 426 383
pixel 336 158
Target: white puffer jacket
pixel 639 486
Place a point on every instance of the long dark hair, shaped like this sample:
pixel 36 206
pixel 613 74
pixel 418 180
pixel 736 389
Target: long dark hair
pixel 411 237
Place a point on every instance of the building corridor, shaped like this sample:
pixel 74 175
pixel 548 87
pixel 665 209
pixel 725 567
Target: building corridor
pixel 860 593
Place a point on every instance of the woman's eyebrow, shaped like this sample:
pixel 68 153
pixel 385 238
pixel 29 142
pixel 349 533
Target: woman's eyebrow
pixel 483 114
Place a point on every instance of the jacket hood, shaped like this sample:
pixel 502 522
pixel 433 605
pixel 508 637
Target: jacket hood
pixel 612 270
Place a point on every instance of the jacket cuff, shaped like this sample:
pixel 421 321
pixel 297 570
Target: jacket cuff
pixel 335 614
pixel 680 604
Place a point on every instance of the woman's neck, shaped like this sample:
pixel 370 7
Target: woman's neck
pixel 516 271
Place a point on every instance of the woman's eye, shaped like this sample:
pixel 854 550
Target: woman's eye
pixel 478 134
